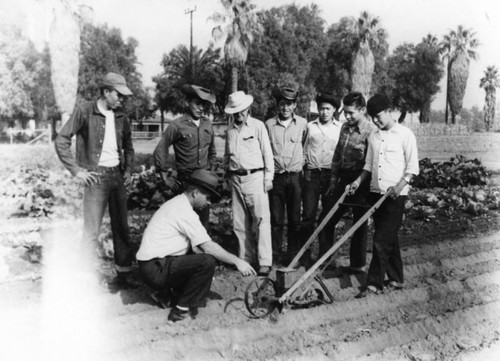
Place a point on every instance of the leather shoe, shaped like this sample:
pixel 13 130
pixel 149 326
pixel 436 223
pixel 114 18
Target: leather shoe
pixel 264 270
pixel 125 280
pixel 176 314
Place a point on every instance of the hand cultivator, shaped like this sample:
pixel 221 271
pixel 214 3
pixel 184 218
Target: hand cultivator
pixel 265 296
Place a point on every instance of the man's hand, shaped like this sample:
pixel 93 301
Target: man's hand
pixel 127 178
pixel 396 190
pixel 352 188
pixel 88 178
pixel 245 268
pixel 268 185
pixel 171 183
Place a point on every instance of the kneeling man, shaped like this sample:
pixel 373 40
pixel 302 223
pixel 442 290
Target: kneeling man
pixel 176 251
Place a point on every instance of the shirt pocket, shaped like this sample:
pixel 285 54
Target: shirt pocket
pixel 206 137
pixel 187 137
pixel 249 144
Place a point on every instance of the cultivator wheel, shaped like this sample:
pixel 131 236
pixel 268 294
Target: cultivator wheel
pixel 261 297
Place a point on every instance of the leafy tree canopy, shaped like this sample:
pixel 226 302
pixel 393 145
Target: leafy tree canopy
pixel 103 50
pixel 291 52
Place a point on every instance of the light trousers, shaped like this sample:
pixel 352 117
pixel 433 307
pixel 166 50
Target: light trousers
pixel 252 219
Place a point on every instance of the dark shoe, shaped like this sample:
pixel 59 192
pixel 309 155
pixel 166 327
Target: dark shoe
pixel 176 314
pixel 125 280
pixel 370 289
pixel 158 298
pixel 264 271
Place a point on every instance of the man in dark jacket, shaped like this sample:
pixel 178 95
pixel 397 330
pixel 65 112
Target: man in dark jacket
pixel 104 157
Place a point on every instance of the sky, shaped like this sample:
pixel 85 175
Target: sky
pixel 161 25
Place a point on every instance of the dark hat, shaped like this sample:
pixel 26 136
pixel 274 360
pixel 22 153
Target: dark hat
pixel 377 103
pixel 117 82
pixel 199 92
pixel 328 97
pixel 285 93
pixel 206 179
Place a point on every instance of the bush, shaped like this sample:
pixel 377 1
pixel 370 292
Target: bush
pixel 459 171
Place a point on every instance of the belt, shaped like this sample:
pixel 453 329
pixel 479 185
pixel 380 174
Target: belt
pixel 318 170
pixel 245 171
pixel 101 169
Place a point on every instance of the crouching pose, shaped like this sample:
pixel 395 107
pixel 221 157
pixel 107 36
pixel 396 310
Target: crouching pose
pixel 176 252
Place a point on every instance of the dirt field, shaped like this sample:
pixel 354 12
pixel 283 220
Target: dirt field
pixel 58 308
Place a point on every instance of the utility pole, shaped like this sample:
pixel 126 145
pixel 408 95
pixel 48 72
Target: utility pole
pixel 190 12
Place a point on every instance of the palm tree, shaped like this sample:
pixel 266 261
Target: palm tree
pixel 431 43
pixel 490 82
pixel 458 47
pixel 179 67
pixel 64 46
pixel 239 26
pixel 362 35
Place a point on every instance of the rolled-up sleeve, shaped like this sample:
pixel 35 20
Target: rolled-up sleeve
pixel 160 153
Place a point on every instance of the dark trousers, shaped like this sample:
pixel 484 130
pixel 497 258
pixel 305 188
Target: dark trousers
pixel 286 192
pixel 386 253
pixel 188 276
pixel 316 183
pixel 109 192
pixel 359 240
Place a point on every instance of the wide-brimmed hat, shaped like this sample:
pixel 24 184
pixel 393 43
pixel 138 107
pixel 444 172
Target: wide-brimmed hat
pixel 285 93
pixel 117 82
pixel 377 103
pixel 206 179
pixel 237 102
pixel 328 97
pixel 198 91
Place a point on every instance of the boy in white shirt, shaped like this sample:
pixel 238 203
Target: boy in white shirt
pixel 392 161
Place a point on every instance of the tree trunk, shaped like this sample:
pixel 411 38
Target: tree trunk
pixel 162 119
pixel 458 74
pixel 425 112
pixel 64 46
pixel 402 116
pixel 362 69
pixel 489 108
pixel 234 78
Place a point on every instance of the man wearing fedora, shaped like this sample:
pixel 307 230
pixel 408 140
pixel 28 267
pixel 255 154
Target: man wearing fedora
pixel 249 164
pixel 347 164
pixel 176 253
pixel 103 162
pixel 322 137
pixel 287 132
pixel 192 137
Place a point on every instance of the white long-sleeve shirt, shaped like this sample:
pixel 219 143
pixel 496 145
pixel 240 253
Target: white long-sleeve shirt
pixel 391 154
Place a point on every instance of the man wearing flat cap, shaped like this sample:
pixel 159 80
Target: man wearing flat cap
pixel 347 164
pixel 391 161
pixel 249 163
pixel 103 163
pixel 322 137
pixel 192 137
pixel 177 256
pixel 287 132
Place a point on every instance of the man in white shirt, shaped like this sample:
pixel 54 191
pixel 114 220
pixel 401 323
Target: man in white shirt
pixel 321 141
pixel 250 167
pixel 392 161
pixel 177 254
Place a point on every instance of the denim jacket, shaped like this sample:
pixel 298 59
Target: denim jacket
pixel 89 124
